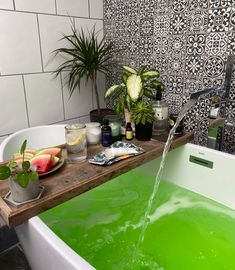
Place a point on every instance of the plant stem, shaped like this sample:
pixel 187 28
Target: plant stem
pixel 94 82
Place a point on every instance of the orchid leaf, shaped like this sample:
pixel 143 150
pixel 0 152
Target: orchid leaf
pixel 149 93
pixel 151 73
pixel 134 87
pixel 111 90
pixel 129 69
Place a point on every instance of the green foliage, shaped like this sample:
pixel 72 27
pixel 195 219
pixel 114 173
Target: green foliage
pixel 135 84
pixel 142 112
pixel 21 174
pixel 86 56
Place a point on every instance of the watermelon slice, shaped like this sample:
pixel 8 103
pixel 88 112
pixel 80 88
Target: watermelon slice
pixel 55 151
pixel 43 162
pixel 27 156
pixel 55 160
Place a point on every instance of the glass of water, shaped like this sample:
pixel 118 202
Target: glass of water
pixel 76 144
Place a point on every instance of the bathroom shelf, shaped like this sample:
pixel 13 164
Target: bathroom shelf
pixel 74 179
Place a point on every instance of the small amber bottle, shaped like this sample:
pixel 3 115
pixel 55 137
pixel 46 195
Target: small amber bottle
pixel 129 132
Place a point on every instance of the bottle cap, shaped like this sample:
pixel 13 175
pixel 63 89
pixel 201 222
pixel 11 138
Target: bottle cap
pixel 106 122
pixel 159 95
pixel 128 124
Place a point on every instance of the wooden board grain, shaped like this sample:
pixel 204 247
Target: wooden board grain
pixel 74 179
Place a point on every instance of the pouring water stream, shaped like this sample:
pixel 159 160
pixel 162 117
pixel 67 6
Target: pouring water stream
pixel 187 107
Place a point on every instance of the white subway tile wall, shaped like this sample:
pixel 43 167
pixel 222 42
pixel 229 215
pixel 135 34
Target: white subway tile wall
pixel 41 6
pixel 44 89
pixel 30 31
pixel 75 106
pixel 19 43
pixel 79 8
pixel 51 29
pixel 12 104
pixel 88 25
pixel 6 4
pixel 96 9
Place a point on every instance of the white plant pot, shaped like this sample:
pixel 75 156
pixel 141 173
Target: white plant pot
pixel 20 194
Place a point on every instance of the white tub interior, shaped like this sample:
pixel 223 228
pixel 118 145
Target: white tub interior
pixel 45 250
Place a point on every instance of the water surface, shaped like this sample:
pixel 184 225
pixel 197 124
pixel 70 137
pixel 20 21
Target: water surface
pixel 186 231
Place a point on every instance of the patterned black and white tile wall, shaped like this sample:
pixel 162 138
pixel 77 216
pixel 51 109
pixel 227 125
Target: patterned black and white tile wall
pixel 187 40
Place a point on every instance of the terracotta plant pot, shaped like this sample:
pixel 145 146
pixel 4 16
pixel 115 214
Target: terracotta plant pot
pixel 20 194
pixel 95 117
pixel 143 132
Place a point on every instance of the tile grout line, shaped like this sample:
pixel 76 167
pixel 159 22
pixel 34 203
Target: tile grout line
pixel 56 7
pixel 40 43
pixel 14 6
pixel 69 119
pixel 89 9
pixel 62 92
pixel 26 104
pixel 28 73
pixel 50 14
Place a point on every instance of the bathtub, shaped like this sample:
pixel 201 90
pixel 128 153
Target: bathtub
pixel 199 169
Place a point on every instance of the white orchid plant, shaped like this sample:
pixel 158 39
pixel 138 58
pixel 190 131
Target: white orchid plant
pixel 135 84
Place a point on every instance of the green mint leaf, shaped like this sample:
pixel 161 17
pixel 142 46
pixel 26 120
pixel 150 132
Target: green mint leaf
pixel 23 147
pixel 5 172
pixel 33 176
pixel 12 165
pixel 26 165
pixel 22 179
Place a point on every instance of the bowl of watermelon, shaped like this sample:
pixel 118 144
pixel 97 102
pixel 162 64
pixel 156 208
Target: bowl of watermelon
pixel 46 160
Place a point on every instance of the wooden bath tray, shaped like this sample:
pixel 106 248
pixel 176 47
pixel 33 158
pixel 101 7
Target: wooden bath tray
pixel 74 179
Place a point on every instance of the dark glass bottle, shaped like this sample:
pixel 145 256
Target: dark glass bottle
pixel 106 134
pixel 129 132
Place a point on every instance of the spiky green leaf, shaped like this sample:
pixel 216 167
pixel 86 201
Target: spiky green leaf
pixel 134 86
pixel 142 112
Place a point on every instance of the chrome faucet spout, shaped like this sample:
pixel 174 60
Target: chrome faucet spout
pixel 208 92
pixel 222 90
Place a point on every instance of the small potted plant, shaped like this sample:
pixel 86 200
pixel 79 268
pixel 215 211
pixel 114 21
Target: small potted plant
pixel 22 178
pixel 143 116
pixel 86 57
pixel 134 85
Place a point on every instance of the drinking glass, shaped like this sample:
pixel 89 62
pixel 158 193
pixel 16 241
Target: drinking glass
pixel 76 143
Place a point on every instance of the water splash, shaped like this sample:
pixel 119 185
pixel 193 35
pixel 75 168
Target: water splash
pixel 146 219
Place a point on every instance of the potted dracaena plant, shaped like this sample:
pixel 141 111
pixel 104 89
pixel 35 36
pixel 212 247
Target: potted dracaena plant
pixel 86 57
pixel 134 85
pixel 23 179
pixel 143 116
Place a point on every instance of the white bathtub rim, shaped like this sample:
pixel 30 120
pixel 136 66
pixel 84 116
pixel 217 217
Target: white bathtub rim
pixel 61 248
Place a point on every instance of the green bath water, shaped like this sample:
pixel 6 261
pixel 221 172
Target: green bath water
pixel 186 231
